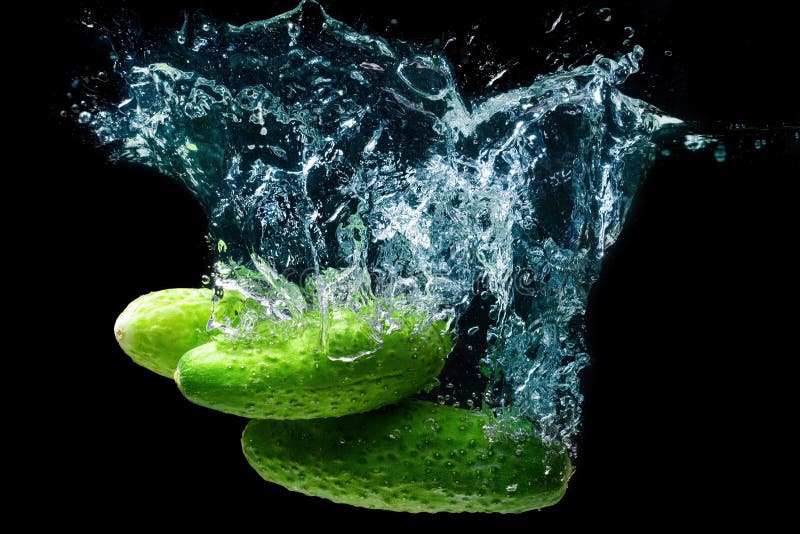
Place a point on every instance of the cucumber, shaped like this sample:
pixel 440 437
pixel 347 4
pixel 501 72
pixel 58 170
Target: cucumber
pixel 156 329
pixel 415 456
pixel 300 377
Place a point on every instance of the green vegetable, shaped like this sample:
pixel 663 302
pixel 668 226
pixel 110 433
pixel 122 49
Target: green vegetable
pixel 298 376
pixel 412 457
pixel 156 329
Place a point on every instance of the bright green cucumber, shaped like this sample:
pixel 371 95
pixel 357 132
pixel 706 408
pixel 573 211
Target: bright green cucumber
pixel 298 378
pixel 156 329
pixel 415 456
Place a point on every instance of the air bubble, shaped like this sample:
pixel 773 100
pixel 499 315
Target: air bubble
pixel 720 154
pixel 84 117
pixel 604 14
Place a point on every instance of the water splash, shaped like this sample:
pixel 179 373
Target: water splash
pixel 353 166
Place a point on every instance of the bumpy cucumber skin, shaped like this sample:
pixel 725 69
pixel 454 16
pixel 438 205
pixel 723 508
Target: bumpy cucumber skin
pixel 156 329
pixel 296 379
pixel 415 456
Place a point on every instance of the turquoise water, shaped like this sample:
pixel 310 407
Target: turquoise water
pixel 353 166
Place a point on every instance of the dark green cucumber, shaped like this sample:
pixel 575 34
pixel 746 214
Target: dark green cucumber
pixel 156 329
pixel 299 378
pixel 415 456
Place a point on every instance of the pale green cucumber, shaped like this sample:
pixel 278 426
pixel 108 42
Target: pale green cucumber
pixel 415 456
pixel 156 329
pixel 302 378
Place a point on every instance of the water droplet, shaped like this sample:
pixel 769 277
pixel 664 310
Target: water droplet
pixel 485 295
pixel 511 488
pixel 604 14
pixel 629 31
pixel 473 330
pixel 84 117
pixel 668 53
pixel 665 152
pixel 205 280
pixel 393 21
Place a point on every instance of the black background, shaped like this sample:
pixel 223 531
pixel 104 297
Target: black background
pixel 685 381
